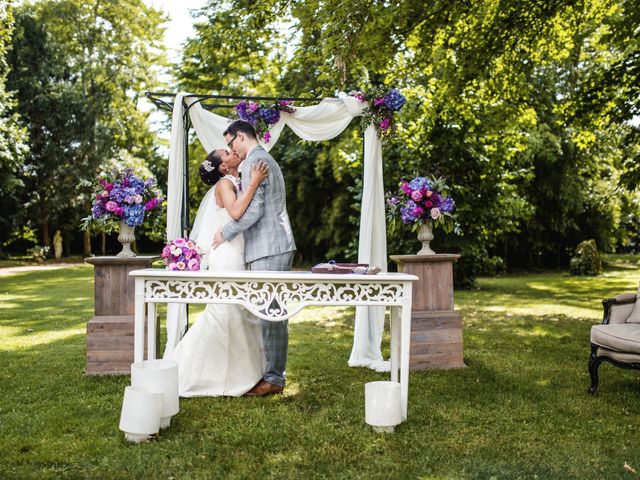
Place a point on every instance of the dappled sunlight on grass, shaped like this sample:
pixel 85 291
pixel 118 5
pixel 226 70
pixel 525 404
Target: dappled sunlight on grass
pixel 22 339
pixel 546 294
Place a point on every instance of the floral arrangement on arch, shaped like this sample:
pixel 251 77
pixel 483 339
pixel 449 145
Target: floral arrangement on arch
pixel 262 115
pixel 123 196
pixel 182 254
pixel 381 106
pixel 421 200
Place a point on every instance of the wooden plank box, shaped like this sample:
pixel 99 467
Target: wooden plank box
pixel 436 340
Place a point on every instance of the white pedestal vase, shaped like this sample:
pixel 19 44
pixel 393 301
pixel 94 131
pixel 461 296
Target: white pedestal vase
pixel 126 237
pixel 425 235
pixel 162 376
pixel 382 405
pixel 140 416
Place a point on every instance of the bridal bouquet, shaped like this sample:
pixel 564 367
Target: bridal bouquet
pixel 382 104
pixel 422 200
pixel 123 196
pixel 182 254
pixel 262 116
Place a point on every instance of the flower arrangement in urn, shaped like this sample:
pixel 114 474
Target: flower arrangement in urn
pixel 123 196
pixel 122 200
pixel 423 202
pixel 182 254
pixel 262 115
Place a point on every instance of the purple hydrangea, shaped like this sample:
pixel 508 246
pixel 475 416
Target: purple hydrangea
pixel 136 186
pixel 447 205
pixel 134 214
pixel 270 115
pixel 408 212
pixel 420 183
pixel 242 108
pixel 97 210
pixel 394 100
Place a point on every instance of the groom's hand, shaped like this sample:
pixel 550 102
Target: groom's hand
pixel 217 239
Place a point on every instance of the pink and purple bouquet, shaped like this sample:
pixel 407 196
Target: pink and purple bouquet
pixel 262 116
pixel 121 195
pixel 420 200
pixel 381 107
pixel 182 254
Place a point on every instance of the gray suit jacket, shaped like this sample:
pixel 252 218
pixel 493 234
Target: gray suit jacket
pixel 266 226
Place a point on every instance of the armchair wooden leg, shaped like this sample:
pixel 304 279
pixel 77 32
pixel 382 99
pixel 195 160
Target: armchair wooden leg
pixel 594 363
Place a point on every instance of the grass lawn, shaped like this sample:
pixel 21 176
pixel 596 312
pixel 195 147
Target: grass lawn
pixel 520 409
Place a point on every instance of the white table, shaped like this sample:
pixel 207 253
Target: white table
pixel 286 293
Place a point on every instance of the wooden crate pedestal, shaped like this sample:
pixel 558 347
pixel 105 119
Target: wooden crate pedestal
pixel 110 331
pixel 436 328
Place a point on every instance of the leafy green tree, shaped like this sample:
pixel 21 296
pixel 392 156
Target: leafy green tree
pixel 78 68
pixel 12 138
pixel 498 104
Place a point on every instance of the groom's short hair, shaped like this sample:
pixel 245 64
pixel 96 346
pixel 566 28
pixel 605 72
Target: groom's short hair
pixel 241 126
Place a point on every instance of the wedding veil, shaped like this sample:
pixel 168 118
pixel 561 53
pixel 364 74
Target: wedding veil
pixel 204 227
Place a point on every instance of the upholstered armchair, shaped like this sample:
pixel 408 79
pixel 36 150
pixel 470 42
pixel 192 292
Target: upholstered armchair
pixel 617 339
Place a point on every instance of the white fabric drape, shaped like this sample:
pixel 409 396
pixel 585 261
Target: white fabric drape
pixel 372 249
pixel 176 312
pixel 323 121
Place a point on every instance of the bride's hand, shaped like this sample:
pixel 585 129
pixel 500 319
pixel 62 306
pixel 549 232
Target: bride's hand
pixel 259 172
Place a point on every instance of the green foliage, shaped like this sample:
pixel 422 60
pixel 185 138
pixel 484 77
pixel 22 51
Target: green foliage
pixel 77 68
pixel 12 137
pixel 586 260
pixel 523 106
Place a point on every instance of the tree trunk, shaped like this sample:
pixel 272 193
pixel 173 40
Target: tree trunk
pixel 44 225
pixel 46 242
pixel 103 244
pixel 86 244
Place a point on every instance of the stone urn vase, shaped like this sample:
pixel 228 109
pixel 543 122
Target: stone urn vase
pixel 425 235
pixel 126 237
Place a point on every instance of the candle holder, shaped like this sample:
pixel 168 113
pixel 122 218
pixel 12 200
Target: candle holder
pixel 140 415
pixel 160 376
pixel 382 406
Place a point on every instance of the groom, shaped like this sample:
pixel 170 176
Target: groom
pixel 268 242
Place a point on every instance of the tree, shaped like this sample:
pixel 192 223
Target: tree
pixel 78 68
pixel 495 104
pixel 12 137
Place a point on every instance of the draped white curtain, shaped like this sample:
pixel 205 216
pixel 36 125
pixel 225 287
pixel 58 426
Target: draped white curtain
pixel 323 121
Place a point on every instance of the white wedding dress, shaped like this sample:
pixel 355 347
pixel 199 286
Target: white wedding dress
pixel 222 353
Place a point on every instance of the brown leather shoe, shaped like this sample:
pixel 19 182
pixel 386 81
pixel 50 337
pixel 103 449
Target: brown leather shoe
pixel 264 388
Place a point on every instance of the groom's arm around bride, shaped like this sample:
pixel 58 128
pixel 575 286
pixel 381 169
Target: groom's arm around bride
pixel 269 243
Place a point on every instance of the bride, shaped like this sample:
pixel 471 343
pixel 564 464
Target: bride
pixel 222 353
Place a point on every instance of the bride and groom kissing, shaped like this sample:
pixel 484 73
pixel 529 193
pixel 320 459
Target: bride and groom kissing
pixel 241 224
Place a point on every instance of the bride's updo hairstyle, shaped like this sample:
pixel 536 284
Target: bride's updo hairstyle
pixel 210 168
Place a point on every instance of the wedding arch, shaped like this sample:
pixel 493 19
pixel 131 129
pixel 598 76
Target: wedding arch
pixel 324 120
